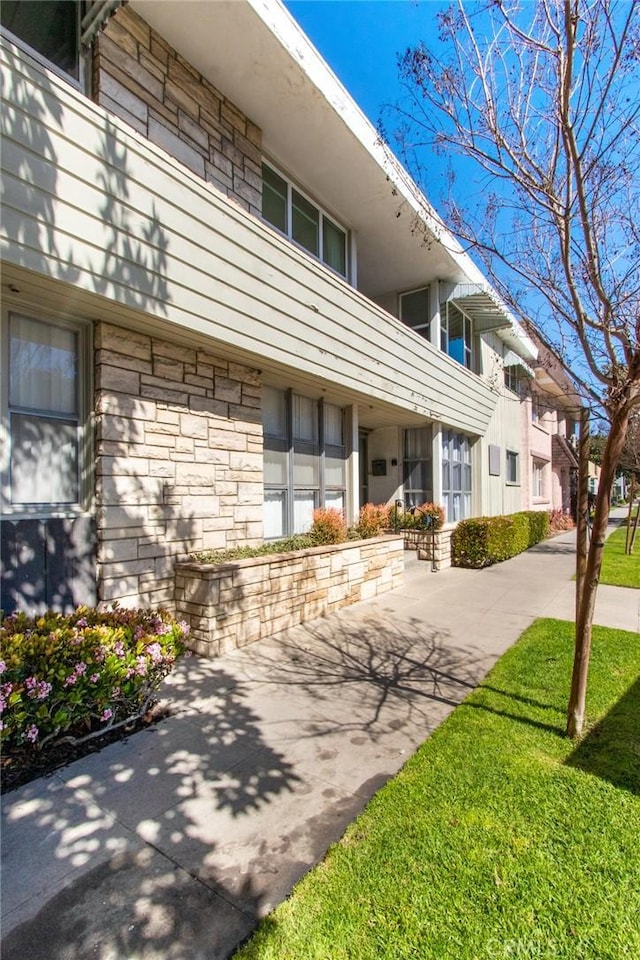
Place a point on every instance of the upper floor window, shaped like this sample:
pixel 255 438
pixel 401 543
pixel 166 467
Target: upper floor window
pixel 512 378
pixel 45 411
pixel 51 29
pixel 302 221
pixel 414 311
pixel 537 410
pixel 456 334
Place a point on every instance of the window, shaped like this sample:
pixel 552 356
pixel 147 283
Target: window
pixel 414 311
pixel 512 378
pixel 537 411
pixel 538 486
pixel 456 334
pixel 45 412
pixel 51 29
pixel 302 221
pixel 512 467
pixel 418 475
pixel 456 475
pixel 304 460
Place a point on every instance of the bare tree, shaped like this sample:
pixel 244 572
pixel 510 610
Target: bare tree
pixel 543 98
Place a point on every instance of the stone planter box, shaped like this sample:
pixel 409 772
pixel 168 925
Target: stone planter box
pixel 422 541
pixel 228 605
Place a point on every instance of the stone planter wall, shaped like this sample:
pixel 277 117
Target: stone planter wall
pixel 228 605
pixel 422 541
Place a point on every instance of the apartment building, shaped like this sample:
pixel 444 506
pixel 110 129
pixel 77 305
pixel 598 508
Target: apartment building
pixel 223 304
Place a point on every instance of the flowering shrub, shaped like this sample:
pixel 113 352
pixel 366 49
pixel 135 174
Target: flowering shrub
pixel 559 521
pixel 373 520
pixel 428 515
pixel 78 675
pixel 329 526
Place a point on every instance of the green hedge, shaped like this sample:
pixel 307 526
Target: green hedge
pixel 481 541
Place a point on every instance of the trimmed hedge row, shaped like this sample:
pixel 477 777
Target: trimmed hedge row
pixel 481 541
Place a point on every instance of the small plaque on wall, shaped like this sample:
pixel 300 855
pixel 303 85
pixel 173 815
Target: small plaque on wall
pixel 378 468
pixel 494 460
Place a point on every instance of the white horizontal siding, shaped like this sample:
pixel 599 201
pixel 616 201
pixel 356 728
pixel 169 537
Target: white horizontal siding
pixel 87 201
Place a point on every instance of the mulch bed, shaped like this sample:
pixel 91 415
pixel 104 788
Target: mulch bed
pixel 23 766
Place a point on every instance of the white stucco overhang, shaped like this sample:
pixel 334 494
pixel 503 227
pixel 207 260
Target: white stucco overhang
pixel 512 359
pixel 255 53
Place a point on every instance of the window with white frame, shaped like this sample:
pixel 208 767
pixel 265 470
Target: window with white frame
pixel 418 469
pixel 512 467
pixel 304 460
pixel 44 402
pixel 512 378
pixel 537 410
pixel 50 29
pixel 538 479
pixel 414 311
pixel 456 334
pixel 456 475
pixel 287 209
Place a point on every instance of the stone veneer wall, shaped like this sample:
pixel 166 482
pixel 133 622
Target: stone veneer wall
pixel 178 461
pixel 141 79
pixel 232 604
pixel 423 543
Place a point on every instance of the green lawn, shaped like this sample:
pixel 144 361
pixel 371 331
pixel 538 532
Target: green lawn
pixel 618 569
pixel 499 838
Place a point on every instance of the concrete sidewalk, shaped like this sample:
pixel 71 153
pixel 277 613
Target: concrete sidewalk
pixel 171 845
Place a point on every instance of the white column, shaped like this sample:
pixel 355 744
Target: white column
pixel 434 310
pixel 437 462
pixel 352 504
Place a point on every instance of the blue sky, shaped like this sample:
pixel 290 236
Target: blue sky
pixel 360 40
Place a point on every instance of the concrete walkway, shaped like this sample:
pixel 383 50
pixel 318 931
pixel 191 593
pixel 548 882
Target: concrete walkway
pixel 170 845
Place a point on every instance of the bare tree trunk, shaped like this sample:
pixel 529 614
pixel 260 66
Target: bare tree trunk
pixel 630 528
pixel 582 506
pixel 587 601
pixel 635 530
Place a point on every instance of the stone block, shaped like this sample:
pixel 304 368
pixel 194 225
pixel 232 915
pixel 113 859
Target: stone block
pixel 117 379
pixel 174 351
pixel 175 147
pixel 194 473
pixel 133 24
pixel 194 426
pixel 119 405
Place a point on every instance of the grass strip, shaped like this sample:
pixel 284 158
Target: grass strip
pixel 618 568
pixel 500 837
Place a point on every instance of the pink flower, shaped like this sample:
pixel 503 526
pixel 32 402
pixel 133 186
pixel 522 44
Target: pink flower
pixel 154 650
pixel 106 715
pixel 80 668
pixel 32 733
pixel 94 677
pixel 118 648
pixel 71 679
pixel 43 690
pixel 82 622
pixel 184 627
pixel 3 666
pixel 141 666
